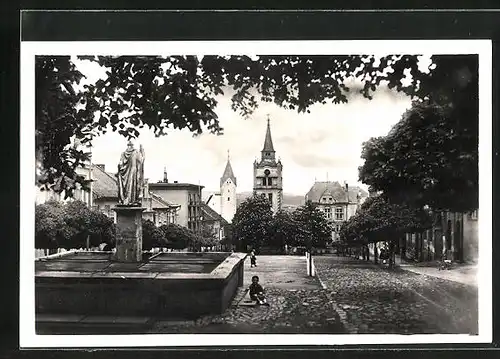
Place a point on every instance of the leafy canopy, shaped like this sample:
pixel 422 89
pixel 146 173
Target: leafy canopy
pixel 176 92
pixel 252 221
pixel 430 157
pixel 379 220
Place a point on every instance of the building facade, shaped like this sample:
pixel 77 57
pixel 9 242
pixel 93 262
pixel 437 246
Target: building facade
pixel 187 196
pixel 268 173
pixel 337 202
pixel 454 235
pixel 104 197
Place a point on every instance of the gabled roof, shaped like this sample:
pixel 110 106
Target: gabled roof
pixel 334 190
pixel 268 142
pixel 158 202
pixel 104 184
pixel 211 215
pixel 228 173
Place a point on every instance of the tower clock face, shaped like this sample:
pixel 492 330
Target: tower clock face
pixel 267 172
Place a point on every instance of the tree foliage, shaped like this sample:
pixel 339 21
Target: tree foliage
pixel 424 160
pixel 252 221
pixel 284 230
pixel 163 93
pixel 50 227
pixel 430 157
pixel 176 236
pixel 379 220
pixel 314 229
pixel 69 225
pixel 152 236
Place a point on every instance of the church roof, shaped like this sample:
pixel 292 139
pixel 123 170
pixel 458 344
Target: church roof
pixel 335 190
pixel 268 142
pixel 228 173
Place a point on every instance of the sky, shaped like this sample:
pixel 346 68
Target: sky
pixel 324 144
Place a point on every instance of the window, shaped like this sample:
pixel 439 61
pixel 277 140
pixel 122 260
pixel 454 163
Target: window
pixel 263 181
pixel 268 154
pixel 228 199
pixel 328 213
pixel 339 213
pixel 269 181
pixel 270 197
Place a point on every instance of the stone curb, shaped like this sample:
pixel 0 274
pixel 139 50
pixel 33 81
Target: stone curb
pixel 351 329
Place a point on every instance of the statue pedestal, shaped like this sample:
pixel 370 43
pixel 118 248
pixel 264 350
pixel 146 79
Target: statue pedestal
pixel 128 234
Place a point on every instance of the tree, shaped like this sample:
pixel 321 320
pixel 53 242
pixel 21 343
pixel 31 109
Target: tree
pixel 314 229
pixel 69 225
pixel 252 220
pixel 379 220
pixel 181 92
pixel 152 236
pixel 176 236
pixel 284 230
pixel 425 160
pixel 51 230
pixel 57 120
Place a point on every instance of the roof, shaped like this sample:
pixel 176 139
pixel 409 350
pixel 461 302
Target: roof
pixel 228 173
pixel 174 185
pixel 268 142
pixel 335 190
pixel 212 215
pixel 104 184
pixel 158 202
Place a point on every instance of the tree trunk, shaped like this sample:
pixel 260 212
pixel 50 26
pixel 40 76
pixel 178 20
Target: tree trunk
pixel 375 252
pixel 367 249
pixel 391 254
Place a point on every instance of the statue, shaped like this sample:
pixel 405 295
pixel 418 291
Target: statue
pixel 131 176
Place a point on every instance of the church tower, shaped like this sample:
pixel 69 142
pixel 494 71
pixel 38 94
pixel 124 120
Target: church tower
pixel 228 192
pixel 267 173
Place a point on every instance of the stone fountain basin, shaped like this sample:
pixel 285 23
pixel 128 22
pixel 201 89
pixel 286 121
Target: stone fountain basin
pixel 166 285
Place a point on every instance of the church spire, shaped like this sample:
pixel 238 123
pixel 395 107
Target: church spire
pixel 228 172
pixel 268 150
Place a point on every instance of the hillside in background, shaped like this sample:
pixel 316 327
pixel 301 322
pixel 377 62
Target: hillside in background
pixel 288 199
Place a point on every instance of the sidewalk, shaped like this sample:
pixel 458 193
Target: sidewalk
pixel 461 273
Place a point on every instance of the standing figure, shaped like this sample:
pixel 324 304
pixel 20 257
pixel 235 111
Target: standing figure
pixel 253 259
pixel 131 176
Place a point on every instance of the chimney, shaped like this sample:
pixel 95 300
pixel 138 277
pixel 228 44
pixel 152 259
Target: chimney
pixel 101 167
pixel 165 177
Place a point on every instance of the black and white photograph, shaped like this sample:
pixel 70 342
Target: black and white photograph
pixel 324 191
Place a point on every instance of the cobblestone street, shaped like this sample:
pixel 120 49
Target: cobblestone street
pixel 298 304
pixel 379 300
pixel 358 297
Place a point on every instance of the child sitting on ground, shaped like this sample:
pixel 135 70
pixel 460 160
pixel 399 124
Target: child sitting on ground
pixel 257 292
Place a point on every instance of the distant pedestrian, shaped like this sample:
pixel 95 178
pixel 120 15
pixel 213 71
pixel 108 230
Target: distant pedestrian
pixel 253 259
pixel 257 292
